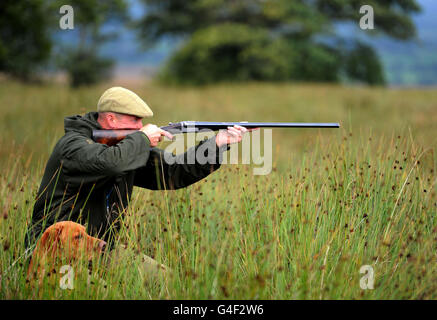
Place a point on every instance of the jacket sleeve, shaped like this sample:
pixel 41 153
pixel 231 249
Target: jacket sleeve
pixel 167 171
pixel 87 161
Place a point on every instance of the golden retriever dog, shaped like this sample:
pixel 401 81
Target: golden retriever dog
pixel 63 243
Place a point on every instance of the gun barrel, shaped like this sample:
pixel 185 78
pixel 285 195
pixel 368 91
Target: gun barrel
pixel 224 125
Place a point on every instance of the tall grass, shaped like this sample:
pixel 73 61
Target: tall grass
pixel 335 200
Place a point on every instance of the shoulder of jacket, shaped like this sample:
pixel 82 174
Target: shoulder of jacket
pixel 76 136
pixel 72 141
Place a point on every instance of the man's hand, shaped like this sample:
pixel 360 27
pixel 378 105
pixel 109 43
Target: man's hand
pixel 155 134
pixel 231 135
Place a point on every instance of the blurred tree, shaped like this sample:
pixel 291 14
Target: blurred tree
pixel 86 67
pixel 228 51
pixel 24 38
pixel 362 64
pixel 269 39
pixel 82 62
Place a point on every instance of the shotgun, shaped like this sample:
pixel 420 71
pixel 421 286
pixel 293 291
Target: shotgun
pixel 112 137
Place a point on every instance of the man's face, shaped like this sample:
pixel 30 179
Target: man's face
pixel 126 121
pixel 118 121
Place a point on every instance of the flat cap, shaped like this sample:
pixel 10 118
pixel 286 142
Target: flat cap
pixel 121 100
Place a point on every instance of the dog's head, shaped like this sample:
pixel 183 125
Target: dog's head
pixel 69 240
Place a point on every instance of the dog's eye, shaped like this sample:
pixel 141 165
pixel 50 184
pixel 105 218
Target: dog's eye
pixel 78 237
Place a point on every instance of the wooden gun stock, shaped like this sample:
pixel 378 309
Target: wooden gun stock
pixel 110 137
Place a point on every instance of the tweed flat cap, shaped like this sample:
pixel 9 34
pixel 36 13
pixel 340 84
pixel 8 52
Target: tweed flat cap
pixel 121 100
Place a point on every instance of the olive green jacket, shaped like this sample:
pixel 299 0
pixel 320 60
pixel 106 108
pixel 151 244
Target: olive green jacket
pixel 91 183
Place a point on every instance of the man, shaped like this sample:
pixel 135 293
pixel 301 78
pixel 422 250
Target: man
pixel 91 183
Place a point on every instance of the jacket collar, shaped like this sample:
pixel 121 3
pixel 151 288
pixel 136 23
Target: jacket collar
pixel 83 124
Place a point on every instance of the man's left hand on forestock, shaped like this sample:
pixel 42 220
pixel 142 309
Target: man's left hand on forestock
pixel 231 135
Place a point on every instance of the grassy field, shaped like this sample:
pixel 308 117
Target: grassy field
pixel 336 200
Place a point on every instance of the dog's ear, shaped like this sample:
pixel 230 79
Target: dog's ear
pixel 46 247
pixel 56 234
pixel 51 239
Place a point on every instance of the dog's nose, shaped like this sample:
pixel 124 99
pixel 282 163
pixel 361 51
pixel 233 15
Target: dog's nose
pixel 102 246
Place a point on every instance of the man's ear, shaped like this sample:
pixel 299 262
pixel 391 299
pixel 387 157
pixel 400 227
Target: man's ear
pixel 112 119
pixel 107 120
